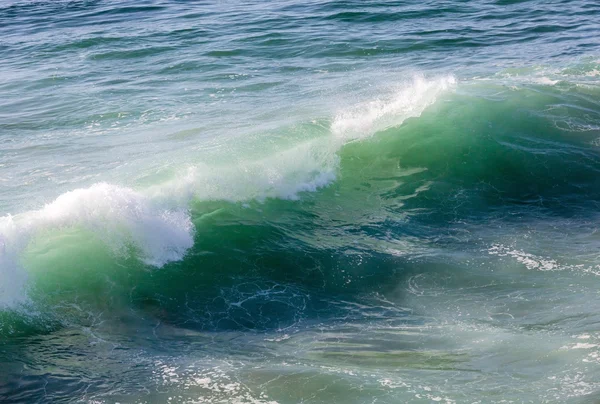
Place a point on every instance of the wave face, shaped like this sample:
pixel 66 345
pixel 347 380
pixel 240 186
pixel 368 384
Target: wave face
pixel 232 203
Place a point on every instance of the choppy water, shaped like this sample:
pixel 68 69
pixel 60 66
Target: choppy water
pixel 299 202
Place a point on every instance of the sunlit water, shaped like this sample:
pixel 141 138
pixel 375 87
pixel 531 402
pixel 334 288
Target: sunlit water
pixel 299 202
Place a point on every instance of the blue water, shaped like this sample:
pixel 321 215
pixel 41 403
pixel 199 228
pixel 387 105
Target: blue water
pixel 299 202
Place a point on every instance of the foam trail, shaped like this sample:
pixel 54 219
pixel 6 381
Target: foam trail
pixel 156 221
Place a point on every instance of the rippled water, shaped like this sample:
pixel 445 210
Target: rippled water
pixel 285 202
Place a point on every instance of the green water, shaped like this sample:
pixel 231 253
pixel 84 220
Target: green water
pixel 286 202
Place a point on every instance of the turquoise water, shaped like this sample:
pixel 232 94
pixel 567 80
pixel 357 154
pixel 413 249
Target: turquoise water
pixel 299 202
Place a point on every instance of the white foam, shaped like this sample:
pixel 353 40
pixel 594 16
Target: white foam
pixel 407 101
pixel 529 260
pixel 119 216
pixel 546 81
pixel 533 262
pixel 582 345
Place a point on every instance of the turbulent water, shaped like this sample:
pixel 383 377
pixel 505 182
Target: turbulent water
pixel 300 201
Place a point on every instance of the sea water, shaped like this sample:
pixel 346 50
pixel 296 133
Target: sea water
pixel 300 201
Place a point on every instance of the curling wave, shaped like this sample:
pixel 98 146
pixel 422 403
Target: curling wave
pixel 156 223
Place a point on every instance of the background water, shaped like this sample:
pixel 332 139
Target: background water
pixel 299 202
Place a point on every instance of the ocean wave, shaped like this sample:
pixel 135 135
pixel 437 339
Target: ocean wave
pixel 156 223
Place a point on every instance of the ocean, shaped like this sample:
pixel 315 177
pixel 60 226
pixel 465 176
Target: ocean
pixel 319 201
